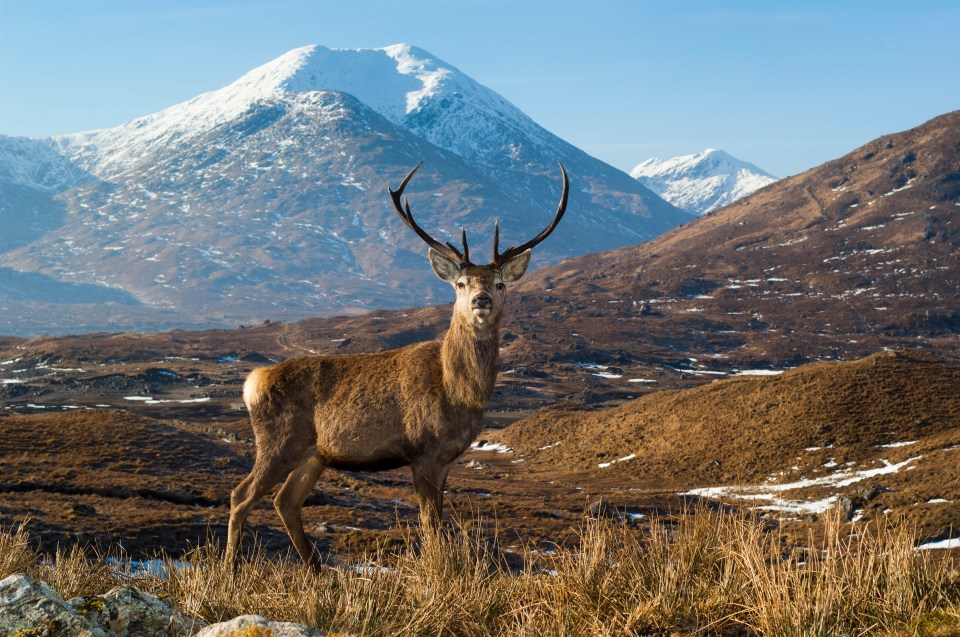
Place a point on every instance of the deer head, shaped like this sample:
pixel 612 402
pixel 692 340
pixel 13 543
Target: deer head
pixel 480 289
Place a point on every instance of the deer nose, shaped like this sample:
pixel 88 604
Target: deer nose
pixel 482 301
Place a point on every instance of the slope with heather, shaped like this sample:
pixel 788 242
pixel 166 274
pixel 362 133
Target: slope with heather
pixel 860 253
pixel 881 432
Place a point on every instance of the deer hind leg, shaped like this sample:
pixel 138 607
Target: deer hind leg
pixel 267 471
pixel 289 504
pixel 428 481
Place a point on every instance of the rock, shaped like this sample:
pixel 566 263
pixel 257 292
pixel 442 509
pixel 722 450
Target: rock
pixel 257 625
pixel 127 611
pixel 848 506
pixel 31 607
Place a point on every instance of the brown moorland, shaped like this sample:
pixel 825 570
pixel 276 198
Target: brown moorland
pixel 832 429
pixel 146 483
pixel 855 255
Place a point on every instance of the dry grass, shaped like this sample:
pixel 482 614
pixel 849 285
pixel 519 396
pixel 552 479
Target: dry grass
pixel 702 573
pixel 16 555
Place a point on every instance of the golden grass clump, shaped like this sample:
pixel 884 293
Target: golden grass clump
pixel 16 556
pixel 80 572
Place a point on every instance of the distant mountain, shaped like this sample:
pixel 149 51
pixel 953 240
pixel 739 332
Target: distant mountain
pixel 703 182
pixel 267 199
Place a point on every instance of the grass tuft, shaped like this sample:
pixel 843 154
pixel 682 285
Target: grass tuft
pixel 16 556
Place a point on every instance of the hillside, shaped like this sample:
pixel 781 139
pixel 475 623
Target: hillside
pixel 854 255
pixel 881 432
pixel 753 426
pixel 144 454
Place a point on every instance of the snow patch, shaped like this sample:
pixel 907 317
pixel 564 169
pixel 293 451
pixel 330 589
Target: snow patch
pixel 604 465
pixel 607 375
pixel 894 445
pixel 483 445
pixel 949 543
pixel 150 400
pixel 759 372
pixel 770 491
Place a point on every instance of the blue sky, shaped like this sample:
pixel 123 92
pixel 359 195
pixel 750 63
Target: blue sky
pixel 785 85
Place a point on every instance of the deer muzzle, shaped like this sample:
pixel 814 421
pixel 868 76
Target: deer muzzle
pixel 482 302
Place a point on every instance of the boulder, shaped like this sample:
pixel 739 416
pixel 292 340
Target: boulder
pixel 30 607
pixel 127 611
pixel 257 625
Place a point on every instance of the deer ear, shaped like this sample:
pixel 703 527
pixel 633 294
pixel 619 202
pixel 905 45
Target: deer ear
pixel 515 267
pixel 444 268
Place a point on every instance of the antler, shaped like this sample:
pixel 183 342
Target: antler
pixel 448 250
pixel 512 251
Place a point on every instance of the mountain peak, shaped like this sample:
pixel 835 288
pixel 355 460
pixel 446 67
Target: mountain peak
pixel 701 182
pixel 392 80
pixel 402 83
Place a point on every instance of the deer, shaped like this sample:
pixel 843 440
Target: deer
pixel 419 406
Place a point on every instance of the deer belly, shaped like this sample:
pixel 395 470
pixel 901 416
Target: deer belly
pixel 361 448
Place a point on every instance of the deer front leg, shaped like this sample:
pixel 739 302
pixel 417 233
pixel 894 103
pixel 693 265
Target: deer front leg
pixel 428 481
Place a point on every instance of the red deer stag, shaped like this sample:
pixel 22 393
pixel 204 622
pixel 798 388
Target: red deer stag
pixel 420 405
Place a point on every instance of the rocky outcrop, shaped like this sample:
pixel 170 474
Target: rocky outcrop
pixel 31 607
pixel 28 605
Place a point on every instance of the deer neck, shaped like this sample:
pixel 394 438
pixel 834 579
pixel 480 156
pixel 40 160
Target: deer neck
pixel 470 357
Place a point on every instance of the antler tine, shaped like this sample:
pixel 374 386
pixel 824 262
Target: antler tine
pixel 466 248
pixel 512 251
pixel 403 210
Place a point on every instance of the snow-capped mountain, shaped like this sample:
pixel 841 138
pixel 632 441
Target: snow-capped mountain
pixel 703 182
pixel 267 198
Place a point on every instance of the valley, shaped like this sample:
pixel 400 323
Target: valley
pixel 142 449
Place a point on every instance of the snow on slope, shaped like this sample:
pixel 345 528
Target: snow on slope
pixel 402 83
pixel 703 182
pixel 36 164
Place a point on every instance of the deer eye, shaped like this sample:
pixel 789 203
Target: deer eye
pixel 500 286
pixel 460 285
